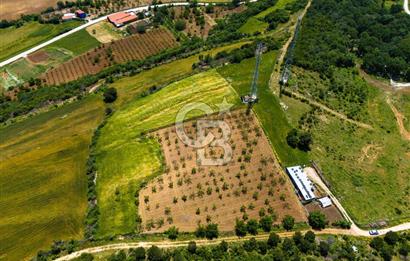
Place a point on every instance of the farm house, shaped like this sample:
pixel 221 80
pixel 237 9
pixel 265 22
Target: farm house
pixel 80 14
pixel 122 18
pixel 301 182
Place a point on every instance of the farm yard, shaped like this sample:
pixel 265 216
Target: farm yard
pixel 137 157
pixel 136 47
pixel 249 186
pixel 32 66
pixel 104 32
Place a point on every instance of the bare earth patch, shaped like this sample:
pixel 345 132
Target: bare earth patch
pixel 38 57
pixel 189 194
pixel 370 153
pixel 103 33
pixel 400 120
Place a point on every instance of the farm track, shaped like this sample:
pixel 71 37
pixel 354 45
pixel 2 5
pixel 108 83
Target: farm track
pixel 337 114
pixel 136 47
pixel 399 119
pixel 274 79
pixel 229 239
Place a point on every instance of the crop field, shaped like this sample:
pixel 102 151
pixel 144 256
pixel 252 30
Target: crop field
pixel 77 43
pixel 159 76
pixel 137 157
pixel 249 185
pixel 268 109
pixel 15 40
pixel 42 178
pixel 136 47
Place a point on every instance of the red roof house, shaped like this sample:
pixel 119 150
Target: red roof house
pixel 122 18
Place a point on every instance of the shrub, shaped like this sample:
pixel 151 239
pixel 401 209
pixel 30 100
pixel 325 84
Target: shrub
pixel 317 220
pixel 192 247
pixel 252 227
pixel 391 238
pixel 288 222
pixel 266 223
pixel 137 254
pixel 273 240
pixel 211 231
pixel 155 253
pixel 240 228
pixel 172 233
pixel 180 25
pixel 110 95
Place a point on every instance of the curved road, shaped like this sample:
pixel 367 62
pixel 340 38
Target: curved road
pixel 406 6
pixel 89 23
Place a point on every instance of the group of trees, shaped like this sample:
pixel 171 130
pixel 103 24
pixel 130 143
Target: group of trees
pixel 299 139
pixel 298 247
pixel 334 32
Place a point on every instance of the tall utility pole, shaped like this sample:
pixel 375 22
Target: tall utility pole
pixel 252 97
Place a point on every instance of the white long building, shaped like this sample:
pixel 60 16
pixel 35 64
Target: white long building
pixel 302 183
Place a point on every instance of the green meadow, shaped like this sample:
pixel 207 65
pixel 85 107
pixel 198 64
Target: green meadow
pixel 77 43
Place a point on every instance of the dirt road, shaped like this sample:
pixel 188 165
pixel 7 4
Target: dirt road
pixel 399 119
pixel 274 78
pixel 337 114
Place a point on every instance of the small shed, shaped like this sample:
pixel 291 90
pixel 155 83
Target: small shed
pixel 325 202
pixel 80 14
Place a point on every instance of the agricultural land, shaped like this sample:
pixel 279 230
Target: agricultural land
pixel 94 165
pixel 15 40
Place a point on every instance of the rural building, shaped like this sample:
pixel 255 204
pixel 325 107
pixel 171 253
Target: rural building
pixel 68 17
pixel 325 202
pixel 302 183
pixel 122 18
pixel 80 14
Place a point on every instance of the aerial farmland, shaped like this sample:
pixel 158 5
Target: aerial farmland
pixel 204 130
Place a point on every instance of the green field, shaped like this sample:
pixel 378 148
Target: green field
pixel 42 180
pixel 268 109
pixel 15 40
pixel 253 25
pixel 279 5
pixel 369 170
pixel 256 23
pixel 77 43
pixel 125 159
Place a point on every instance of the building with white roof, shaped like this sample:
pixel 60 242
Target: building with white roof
pixel 325 202
pixel 302 183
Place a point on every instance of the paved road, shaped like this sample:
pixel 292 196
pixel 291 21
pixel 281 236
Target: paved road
pixel 89 23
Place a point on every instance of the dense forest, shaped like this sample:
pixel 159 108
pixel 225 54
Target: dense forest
pixel 336 33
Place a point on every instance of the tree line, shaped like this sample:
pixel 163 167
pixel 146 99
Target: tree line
pixel 307 246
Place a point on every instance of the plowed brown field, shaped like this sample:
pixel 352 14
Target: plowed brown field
pixel 251 184
pixel 136 47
